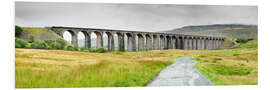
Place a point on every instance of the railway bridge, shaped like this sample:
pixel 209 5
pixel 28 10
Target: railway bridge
pixel 145 40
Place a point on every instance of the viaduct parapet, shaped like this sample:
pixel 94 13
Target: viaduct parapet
pixel 146 40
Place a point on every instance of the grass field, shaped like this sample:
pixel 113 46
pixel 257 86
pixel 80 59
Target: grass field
pixel 56 68
pixel 237 66
pixel 36 68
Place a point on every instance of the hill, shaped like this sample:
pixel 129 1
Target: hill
pixel 223 30
pixel 38 33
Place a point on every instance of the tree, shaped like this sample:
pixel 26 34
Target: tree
pixel 18 30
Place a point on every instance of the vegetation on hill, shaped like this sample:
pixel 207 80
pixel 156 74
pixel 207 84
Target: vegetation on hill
pixel 37 33
pixel 220 30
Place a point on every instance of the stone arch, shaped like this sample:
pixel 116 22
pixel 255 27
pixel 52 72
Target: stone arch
pixel 121 41
pixel 211 42
pixel 110 41
pixel 205 42
pixel 194 42
pixel 181 42
pixel 186 42
pixel 93 40
pixel 149 43
pixel 86 39
pixel 162 42
pixel 115 40
pixel 131 42
pixel 168 42
pixel 173 42
pixel 99 40
pixel 156 41
pixel 140 42
pixel 74 40
pixel 190 42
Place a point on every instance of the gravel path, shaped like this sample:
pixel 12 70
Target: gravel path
pixel 181 73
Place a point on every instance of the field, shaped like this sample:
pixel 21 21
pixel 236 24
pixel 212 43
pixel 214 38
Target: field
pixel 36 68
pixel 238 66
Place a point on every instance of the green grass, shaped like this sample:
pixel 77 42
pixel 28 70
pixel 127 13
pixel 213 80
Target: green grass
pixel 238 66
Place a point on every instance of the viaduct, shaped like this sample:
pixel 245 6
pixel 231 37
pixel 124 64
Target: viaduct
pixel 146 40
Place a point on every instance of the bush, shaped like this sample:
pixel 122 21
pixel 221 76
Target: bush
pixel 242 40
pixel 82 49
pixel 76 48
pixel 19 43
pixel 69 48
pixel 28 45
pixel 101 50
pixel 31 39
pixel 59 43
pixel 38 45
pixel 50 44
pixel 18 31
pixel 92 50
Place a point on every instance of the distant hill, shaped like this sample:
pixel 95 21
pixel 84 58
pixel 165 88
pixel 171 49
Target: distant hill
pixel 224 30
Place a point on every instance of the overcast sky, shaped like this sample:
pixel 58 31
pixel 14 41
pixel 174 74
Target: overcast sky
pixel 134 17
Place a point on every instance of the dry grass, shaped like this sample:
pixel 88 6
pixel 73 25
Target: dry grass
pixel 36 68
pixel 57 68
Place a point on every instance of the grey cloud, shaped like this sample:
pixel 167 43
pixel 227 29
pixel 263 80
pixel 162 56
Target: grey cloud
pixel 140 17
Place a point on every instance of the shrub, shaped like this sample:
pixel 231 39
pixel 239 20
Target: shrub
pixel 19 43
pixel 82 49
pixel 59 43
pixel 28 45
pixel 50 44
pixel 38 45
pixel 242 40
pixel 31 39
pixel 101 50
pixel 69 48
pixel 18 30
pixel 76 48
pixel 92 50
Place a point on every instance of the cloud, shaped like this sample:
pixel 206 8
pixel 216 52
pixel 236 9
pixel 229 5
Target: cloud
pixel 139 17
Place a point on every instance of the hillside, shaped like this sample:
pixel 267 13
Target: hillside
pixel 38 33
pixel 224 30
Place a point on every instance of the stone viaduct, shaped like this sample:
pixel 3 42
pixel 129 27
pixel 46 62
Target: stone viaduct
pixel 146 40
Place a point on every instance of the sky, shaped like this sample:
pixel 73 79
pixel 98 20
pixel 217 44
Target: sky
pixel 132 17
